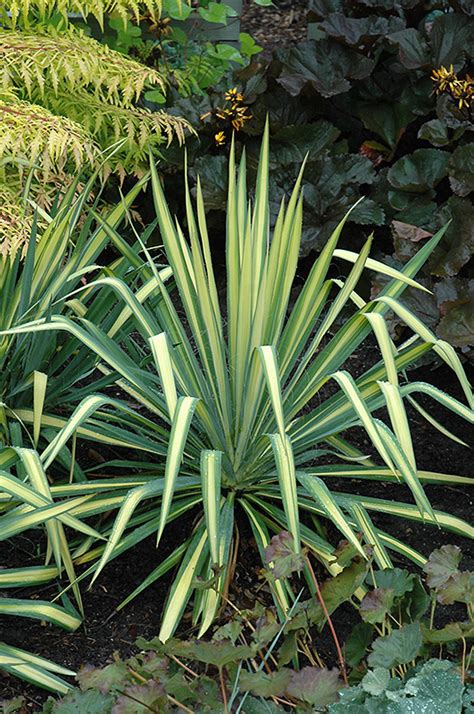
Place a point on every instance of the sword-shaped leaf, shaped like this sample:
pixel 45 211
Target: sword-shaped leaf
pixel 211 465
pixel 182 586
pixel 320 492
pixel 284 460
pixel 161 354
pixel 179 433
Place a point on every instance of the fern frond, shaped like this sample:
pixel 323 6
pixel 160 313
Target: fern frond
pixel 23 11
pixel 31 135
pixel 139 129
pixel 72 61
pixel 16 222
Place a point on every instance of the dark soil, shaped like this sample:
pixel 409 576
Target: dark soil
pixel 103 632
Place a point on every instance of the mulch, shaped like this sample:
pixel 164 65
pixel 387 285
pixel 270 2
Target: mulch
pixel 280 25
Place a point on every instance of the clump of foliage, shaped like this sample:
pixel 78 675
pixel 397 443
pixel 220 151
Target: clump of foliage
pixel 15 224
pixel 398 614
pixel 69 102
pixel 436 686
pixel 53 142
pixel 36 374
pixel 398 622
pixel 57 260
pixel 239 432
pixel 417 124
pixel 381 98
pixel 248 664
pixel 35 12
pixel 184 40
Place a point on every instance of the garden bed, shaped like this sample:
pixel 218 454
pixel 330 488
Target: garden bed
pixel 106 632
pixel 375 120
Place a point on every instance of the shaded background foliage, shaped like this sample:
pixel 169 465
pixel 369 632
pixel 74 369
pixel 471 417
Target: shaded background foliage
pixel 360 99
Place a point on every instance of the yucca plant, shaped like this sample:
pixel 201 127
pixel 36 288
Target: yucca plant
pixel 37 275
pixel 31 286
pixel 233 413
pixel 25 503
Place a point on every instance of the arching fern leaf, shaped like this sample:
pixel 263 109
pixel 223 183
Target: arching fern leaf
pixel 31 135
pixel 138 129
pixel 77 78
pixel 65 99
pixel 25 12
pixel 72 61
pixel 15 223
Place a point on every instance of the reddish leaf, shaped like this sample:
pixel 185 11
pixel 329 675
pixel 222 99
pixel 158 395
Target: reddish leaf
pixel 265 685
pixel 141 699
pixel 442 564
pixel 459 588
pixel 281 553
pixel 318 687
pixel 103 680
pixel 376 605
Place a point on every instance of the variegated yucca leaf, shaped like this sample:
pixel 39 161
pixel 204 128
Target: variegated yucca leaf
pixel 34 669
pixel 230 406
pixel 36 278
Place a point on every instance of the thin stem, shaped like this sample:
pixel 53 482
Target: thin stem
pixel 468 660
pixel 252 628
pixel 181 664
pixel 463 659
pixel 342 663
pixel 223 690
pixel 433 610
pixel 137 676
pixel 313 656
pixel 180 704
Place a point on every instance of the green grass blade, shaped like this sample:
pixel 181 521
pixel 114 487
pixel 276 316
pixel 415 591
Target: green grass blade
pixel 41 610
pixel 371 535
pixel 399 419
pixel 161 355
pixel 40 381
pixel 284 460
pixel 442 348
pixel 347 384
pixel 18 522
pixel 212 596
pixel 270 370
pixel 262 538
pixel 27 577
pixel 129 504
pixel 379 267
